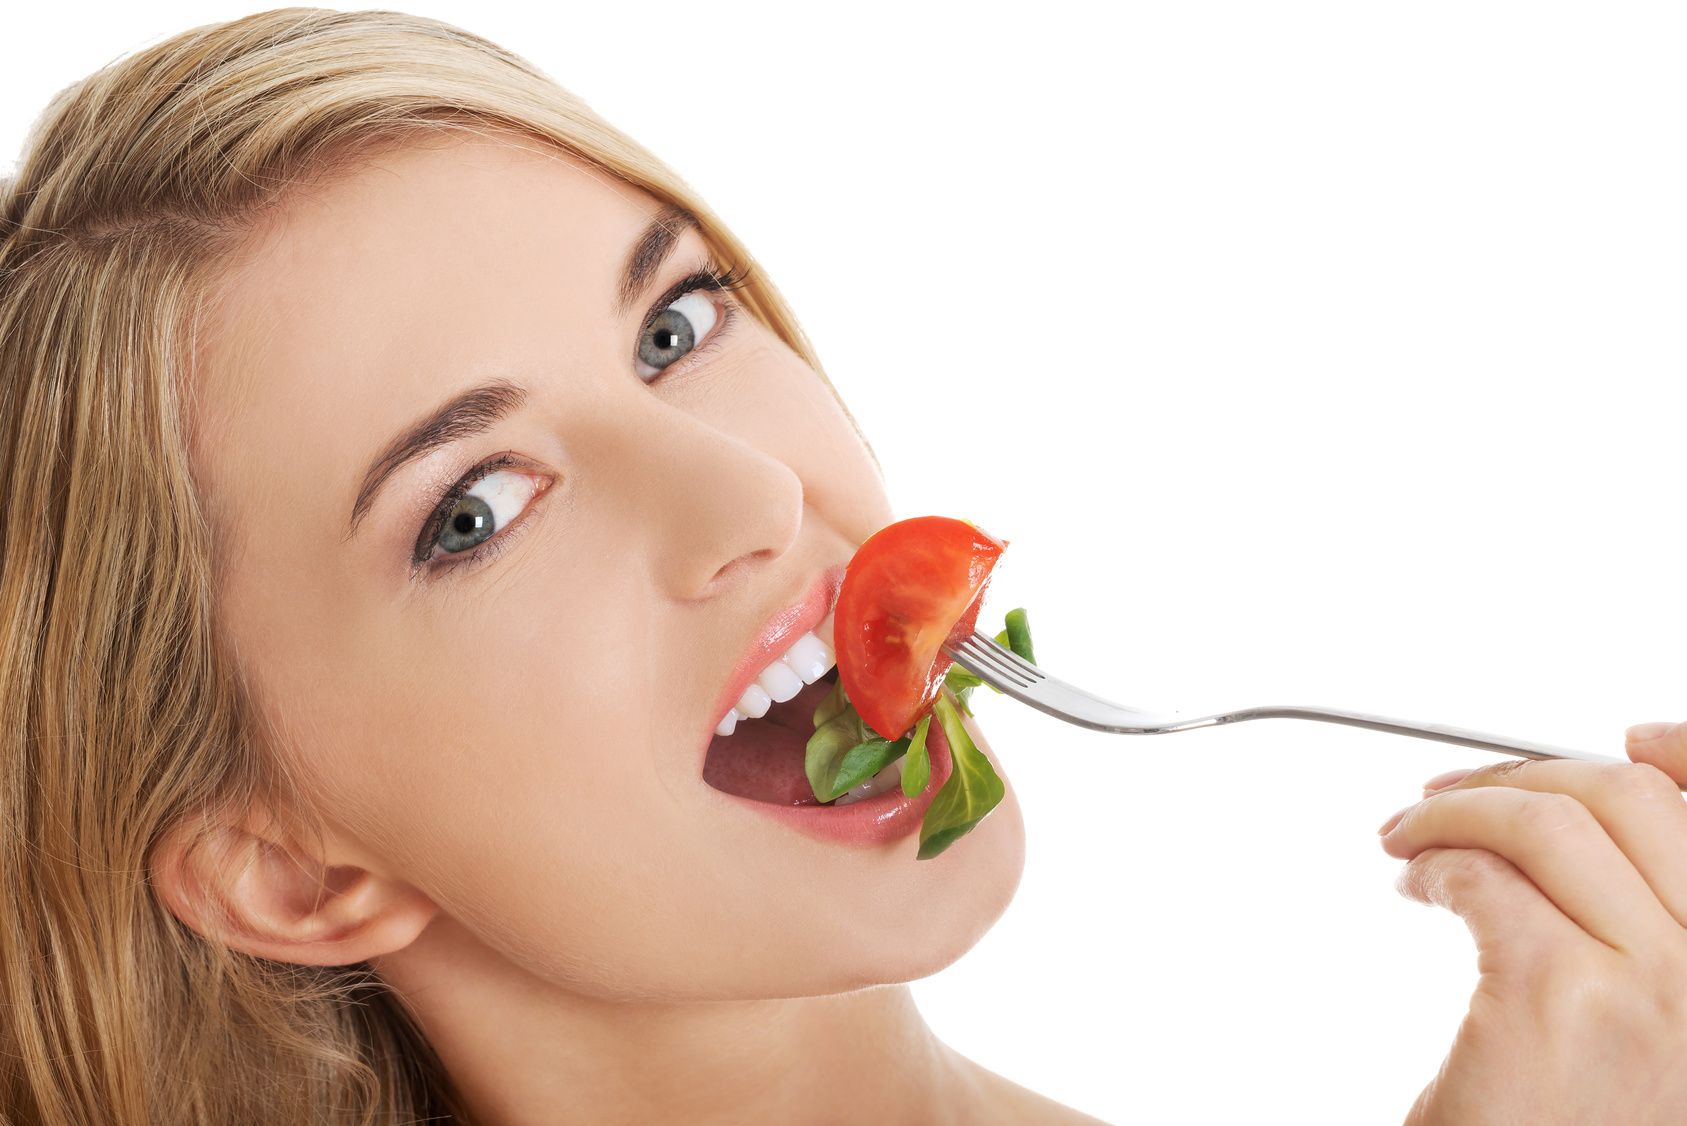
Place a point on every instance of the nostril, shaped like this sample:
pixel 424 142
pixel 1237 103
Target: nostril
pixel 735 570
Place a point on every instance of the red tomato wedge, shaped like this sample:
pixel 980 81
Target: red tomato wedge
pixel 905 590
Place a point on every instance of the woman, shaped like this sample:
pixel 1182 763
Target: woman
pixel 423 474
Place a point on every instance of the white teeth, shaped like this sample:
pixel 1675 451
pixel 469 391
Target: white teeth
pixel 806 661
pixel 809 658
pixel 779 682
pixel 753 704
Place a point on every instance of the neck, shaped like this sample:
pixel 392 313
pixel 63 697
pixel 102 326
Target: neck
pixel 522 1051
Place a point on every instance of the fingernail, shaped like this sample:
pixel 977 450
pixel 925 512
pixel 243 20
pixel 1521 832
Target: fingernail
pixel 1442 781
pixel 1388 826
pixel 1646 732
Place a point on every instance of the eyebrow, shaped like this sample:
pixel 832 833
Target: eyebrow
pixel 651 250
pixel 473 412
pixel 476 411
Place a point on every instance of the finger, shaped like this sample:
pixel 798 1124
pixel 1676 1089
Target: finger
pixel 1553 840
pixel 1663 745
pixel 1638 806
pixel 1507 915
pixel 1447 780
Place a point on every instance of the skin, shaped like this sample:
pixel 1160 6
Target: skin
pixel 502 760
pixel 1572 878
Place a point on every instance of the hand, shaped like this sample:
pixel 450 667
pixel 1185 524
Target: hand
pixel 1572 878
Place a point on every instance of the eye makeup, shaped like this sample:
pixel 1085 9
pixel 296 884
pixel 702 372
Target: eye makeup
pixel 478 511
pixel 684 322
pixel 710 280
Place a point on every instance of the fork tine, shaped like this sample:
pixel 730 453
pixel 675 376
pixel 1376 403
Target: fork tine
pixel 1008 657
pixel 1005 663
pixel 984 653
pixel 1006 671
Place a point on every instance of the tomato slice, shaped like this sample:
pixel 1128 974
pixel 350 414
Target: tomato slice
pixel 908 586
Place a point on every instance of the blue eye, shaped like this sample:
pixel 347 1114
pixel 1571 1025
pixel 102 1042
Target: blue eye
pixel 674 332
pixel 487 509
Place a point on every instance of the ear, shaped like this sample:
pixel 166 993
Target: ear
pixel 246 883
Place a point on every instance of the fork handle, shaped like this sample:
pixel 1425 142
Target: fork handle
pixel 1439 732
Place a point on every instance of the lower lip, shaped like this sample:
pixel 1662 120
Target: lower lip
pixel 874 821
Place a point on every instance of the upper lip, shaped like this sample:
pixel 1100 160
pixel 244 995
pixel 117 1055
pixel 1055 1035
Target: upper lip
pixel 776 636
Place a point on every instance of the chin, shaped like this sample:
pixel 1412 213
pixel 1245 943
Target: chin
pixel 989 862
pixel 961 895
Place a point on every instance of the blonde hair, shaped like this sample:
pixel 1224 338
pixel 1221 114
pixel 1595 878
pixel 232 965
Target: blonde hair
pixel 122 712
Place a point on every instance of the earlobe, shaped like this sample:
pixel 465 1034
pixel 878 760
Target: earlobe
pixel 250 887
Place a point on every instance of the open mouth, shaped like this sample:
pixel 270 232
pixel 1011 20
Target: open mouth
pixel 761 758
pixel 758 751
pixel 757 755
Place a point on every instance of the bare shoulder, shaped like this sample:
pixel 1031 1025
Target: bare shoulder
pixel 1006 1101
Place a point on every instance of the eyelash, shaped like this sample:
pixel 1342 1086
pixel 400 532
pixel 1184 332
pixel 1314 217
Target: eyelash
pixel 715 281
pixel 710 280
pixel 436 520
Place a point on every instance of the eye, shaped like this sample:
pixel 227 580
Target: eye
pixel 486 509
pixel 675 331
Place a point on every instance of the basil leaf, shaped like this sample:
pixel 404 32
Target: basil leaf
pixel 972 791
pixel 916 768
pixel 861 762
pixel 832 706
pixel 1019 635
pixel 827 747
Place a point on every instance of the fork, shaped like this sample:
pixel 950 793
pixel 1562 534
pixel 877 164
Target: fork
pixel 1004 670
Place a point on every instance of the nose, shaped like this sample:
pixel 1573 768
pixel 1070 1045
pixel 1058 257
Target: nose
pixel 718 507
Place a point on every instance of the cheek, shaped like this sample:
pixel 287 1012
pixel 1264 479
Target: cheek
pixel 509 714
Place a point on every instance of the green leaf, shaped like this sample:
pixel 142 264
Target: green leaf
pixel 957 679
pixel 862 761
pixel 916 769
pixel 832 706
pixel 972 791
pixel 935 844
pixel 827 747
pixel 1019 635
pixel 961 683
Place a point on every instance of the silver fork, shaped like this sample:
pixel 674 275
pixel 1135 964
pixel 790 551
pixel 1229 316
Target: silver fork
pixel 1006 671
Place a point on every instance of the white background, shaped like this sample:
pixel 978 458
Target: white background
pixel 1307 353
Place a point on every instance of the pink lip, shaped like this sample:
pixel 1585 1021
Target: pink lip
pixel 877 820
pixel 776 636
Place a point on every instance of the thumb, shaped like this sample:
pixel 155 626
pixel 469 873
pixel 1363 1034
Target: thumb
pixel 1664 745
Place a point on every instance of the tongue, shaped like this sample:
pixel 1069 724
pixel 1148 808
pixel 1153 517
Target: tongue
pixel 763 759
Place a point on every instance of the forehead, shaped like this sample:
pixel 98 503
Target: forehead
pixel 353 265
pixel 368 298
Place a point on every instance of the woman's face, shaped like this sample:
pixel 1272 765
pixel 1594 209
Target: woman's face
pixel 514 718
